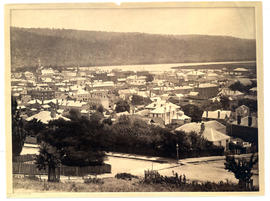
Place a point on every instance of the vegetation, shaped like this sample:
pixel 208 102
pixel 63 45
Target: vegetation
pixel 49 158
pixel 121 185
pixel 252 104
pixel 193 111
pixel 62 47
pixel 133 135
pixel 82 141
pixel 238 86
pixel 149 78
pixel 122 106
pixel 139 100
pixel 241 168
pixel 18 129
pixel 125 176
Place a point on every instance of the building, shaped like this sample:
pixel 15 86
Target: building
pixel 245 128
pixel 163 110
pixel 41 93
pixel 180 118
pixel 194 75
pixel 46 116
pixel 221 116
pixel 208 131
pixel 206 91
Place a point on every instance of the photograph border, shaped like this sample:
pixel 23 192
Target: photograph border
pixel 259 61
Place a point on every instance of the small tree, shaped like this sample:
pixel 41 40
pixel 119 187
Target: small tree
pixel 122 106
pixel 241 168
pixel 49 158
pixel 193 111
pixel 100 109
pixel 149 78
pixel 225 102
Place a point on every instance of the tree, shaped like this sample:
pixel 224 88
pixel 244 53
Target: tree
pixel 18 131
pixel 149 78
pixel 193 111
pixel 74 114
pixel 140 100
pixel 252 104
pixel 122 106
pixel 225 102
pixel 80 142
pixel 100 109
pixel 34 127
pixel 238 86
pixel 49 158
pixel 241 168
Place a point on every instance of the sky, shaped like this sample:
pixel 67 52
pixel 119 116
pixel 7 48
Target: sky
pixel 236 22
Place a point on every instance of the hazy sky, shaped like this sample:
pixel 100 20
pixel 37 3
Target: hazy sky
pixel 237 22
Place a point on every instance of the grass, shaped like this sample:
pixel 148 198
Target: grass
pixel 21 185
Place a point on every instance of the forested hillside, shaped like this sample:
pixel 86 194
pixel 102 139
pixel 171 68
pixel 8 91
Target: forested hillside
pixel 62 47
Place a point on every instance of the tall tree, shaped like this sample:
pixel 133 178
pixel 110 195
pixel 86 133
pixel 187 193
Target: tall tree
pixel 18 131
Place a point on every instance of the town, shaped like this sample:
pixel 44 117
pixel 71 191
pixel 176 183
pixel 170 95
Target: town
pixel 218 104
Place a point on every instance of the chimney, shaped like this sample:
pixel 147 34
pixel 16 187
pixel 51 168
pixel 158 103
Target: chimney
pixel 238 119
pixel 249 120
pixel 218 114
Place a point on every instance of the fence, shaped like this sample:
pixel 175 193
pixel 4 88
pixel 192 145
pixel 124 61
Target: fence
pixel 31 169
pixel 24 158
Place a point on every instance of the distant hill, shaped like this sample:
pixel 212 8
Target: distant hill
pixel 63 47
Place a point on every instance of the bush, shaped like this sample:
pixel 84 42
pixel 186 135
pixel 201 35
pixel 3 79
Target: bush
pixel 93 180
pixel 153 177
pixel 180 183
pixel 125 176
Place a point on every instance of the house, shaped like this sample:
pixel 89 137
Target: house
pixel 219 115
pixel 206 90
pixel 240 71
pixel 193 75
pixel 230 93
pixel 46 116
pixel 208 131
pixel 41 93
pixel 180 118
pixel 245 128
pixel 164 110
pixel 136 80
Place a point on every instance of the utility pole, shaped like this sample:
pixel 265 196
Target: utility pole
pixel 177 150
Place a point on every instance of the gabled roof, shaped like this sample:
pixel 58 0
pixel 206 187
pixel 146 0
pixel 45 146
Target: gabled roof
pixel 161 103
pixel 210 133
pixel 45 117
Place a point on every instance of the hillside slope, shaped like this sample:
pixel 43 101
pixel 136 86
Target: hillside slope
pixel 62 47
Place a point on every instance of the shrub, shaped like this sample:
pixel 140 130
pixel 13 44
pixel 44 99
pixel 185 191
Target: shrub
pixel 93 180
pixel 125 176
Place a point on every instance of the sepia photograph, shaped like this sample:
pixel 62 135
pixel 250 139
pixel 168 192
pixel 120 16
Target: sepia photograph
pixel 156 98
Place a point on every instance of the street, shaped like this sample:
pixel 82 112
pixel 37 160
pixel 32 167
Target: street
pixel 203 170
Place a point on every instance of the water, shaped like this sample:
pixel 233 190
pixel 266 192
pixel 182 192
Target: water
pixel 162 67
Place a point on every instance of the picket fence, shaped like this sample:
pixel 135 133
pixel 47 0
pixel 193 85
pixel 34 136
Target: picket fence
pixel 31 169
